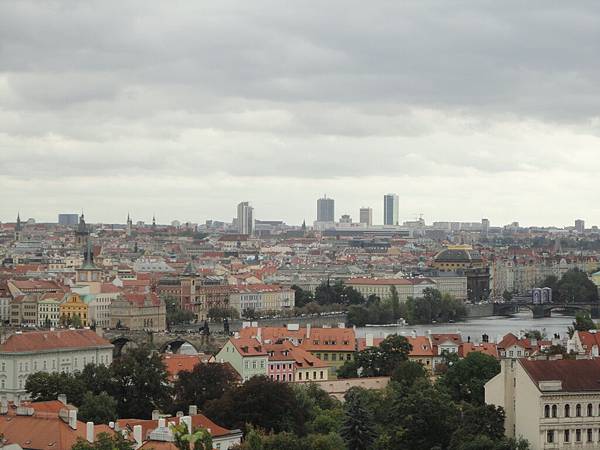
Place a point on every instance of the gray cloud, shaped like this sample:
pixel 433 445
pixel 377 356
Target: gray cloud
pixel 298 98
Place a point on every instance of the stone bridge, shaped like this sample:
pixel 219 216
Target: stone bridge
pixel 164 341
pixel 541 310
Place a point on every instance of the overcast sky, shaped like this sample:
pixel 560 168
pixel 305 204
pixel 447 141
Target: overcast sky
pixel 466 109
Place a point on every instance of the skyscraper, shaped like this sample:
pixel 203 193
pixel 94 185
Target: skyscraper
pixel 245 218
pixel 580 226
pixel 390 209
pixel 325 209
pixel 366 216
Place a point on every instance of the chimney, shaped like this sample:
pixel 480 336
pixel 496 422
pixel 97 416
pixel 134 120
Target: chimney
pixel 179 414
pixel 193 410
pixel 188 422
pixel 137 435
pixel 111 425
pixel 73 419
pixel 89 431
pixel 155 414
pixel 413 334
pixel 62 398
pixel 162 423
pixel 369 340
pixel 308 331
pixel 259 334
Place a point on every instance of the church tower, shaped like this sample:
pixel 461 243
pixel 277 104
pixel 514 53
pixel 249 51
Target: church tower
pixel 129 225
pixel 18 228
pixel 82 233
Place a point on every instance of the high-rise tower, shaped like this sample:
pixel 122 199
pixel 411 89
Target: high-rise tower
pixel 390 209
pixel 245 218
pixel 325 209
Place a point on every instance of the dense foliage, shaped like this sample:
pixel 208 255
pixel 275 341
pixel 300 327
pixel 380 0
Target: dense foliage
pixel 573 287
pixel 133 386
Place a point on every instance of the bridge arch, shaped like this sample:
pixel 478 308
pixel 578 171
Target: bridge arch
pixel 120 343
pixel 175 344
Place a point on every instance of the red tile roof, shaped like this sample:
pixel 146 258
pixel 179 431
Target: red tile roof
pixel 320 339
pixel 49 340
pixel 248 346
pixel 576 375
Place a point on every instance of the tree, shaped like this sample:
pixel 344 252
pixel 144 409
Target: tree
pixel 575 286
pixel 582 322
pixel 382 360
pixel 97 378
pixel 246 404
pixel 43 386
pixel 302 297
pixel 198 439
pixel 507 296
pixel 358 430
pixel 249 313
pixel 104 441
pixel 422 419
pixel 175 314
pixel 204 382
pixel 141 383
pixel 395 302
pixel 465 379
pixel 218 314
pixel 101 408
pixel 477 421
pixel 358 315
pixel 408 372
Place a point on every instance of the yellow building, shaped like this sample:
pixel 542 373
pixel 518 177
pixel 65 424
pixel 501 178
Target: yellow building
pixel 71 307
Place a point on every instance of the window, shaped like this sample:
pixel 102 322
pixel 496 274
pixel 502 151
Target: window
pixel 589 435
pixel 550 436
pixel 321 375
pixel 554 411
pixel 547 411
pixel 334 357
pixel 567 436
pixel 299 375
pixel 590 410
pixel 578 435
pixel 348 357
pixel 567 410
pixel 578 410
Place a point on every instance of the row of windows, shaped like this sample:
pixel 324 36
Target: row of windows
pixel 308 375
pixel 569 436
pixel 254 364
pixel 281 366
pixel 24 367
pixel 277 378
pixel 334 356
pixel 552 410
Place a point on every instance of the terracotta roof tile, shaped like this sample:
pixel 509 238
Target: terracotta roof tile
pixel 49 340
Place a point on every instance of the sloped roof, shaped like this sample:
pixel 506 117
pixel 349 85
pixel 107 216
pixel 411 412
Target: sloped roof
pixel 49 340
pixel 576 375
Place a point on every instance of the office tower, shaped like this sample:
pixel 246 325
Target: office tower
pixel 485 226
pixel 580 225
pixel 325 209
pixel 245 218
pixel 366 216
pixel 68 219
pixel 390 209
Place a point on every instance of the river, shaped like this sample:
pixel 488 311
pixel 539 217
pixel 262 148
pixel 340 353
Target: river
pixel 494 327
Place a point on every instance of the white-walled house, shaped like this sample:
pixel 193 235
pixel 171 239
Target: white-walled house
pixel 51 351
pixel 554 404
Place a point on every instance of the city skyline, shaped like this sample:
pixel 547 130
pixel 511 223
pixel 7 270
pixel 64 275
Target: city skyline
pixel 494 129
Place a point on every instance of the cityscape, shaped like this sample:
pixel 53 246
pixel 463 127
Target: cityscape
pixel 299 225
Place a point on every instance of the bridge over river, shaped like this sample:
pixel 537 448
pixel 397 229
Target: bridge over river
pixel 541 310
pixel 165 341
